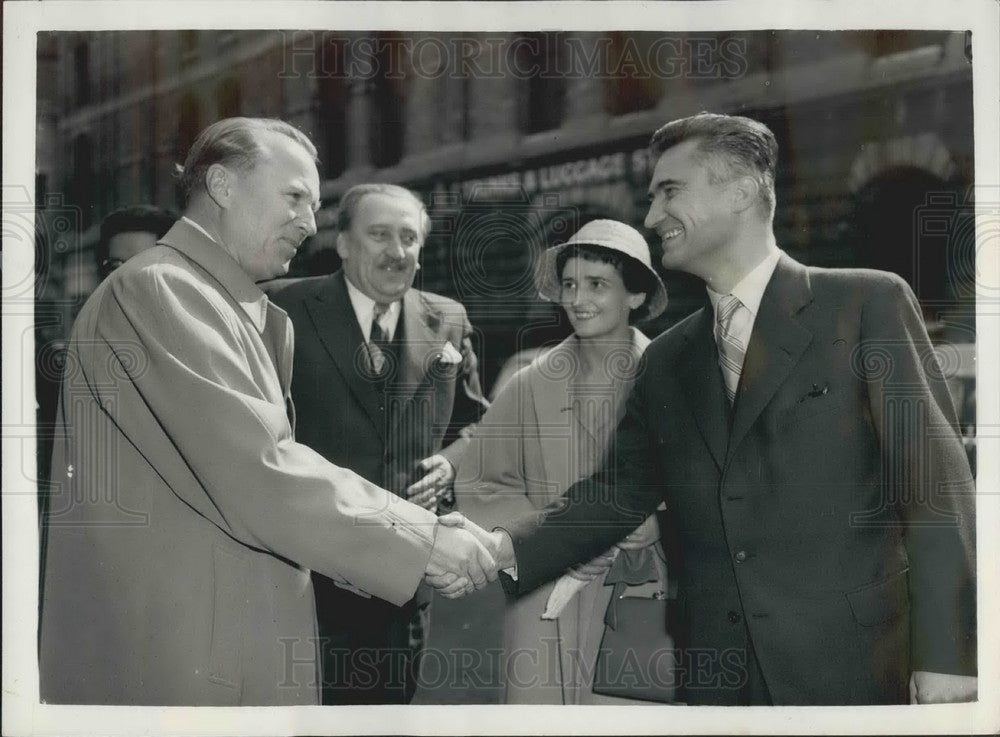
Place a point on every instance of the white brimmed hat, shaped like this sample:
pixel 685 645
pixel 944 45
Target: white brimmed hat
pixel 614 236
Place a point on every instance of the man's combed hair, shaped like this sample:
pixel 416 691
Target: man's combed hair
pixel 349 204
pixel 733 146
pixel 233 142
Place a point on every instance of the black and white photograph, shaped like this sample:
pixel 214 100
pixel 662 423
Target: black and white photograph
pixel 372 367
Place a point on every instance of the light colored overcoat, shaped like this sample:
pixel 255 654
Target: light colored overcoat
pixel 184 517
pixel 543 432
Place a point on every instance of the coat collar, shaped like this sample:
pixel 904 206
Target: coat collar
pixel 551 381
pixel 205 252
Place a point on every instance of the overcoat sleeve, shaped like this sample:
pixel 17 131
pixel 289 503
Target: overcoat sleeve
pixel 204 383
pixel 927 482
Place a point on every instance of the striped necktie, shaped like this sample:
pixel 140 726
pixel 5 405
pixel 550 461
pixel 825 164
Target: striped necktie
pixel 731 347
pixel 378 342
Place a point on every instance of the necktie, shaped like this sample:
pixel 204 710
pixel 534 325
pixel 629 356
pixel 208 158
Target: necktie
pixel 731 347
pixel 378 342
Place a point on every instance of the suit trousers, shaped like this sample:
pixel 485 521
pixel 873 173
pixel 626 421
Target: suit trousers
pixel 369 648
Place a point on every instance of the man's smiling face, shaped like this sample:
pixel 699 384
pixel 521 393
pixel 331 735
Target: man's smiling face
pixel 381 246
pixel 688 210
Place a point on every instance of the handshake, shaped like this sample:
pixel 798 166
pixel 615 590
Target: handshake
pixel 465 556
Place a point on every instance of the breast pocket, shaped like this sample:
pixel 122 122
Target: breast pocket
pixel 808 408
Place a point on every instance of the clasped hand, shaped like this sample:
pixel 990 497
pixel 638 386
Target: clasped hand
pixel 459 562
pixel 438 476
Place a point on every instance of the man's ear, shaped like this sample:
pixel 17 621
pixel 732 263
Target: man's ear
pixel 744 192
pixel 218 183
pixel 341 246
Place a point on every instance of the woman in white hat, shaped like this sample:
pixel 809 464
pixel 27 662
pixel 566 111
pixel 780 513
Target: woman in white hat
pixel 551 426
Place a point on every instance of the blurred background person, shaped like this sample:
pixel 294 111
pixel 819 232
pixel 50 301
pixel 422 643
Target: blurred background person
pixel 552 425
pixel 130 231
pixel 385 379
pixel 124 233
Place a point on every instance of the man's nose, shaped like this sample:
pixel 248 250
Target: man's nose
pixel 653 216
pixel 394 248
pixel 309 223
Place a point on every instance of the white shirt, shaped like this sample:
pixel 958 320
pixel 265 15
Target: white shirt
pixel 364 310
pixel 749 291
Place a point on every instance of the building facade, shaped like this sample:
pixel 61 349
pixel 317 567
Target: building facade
pixel 515 140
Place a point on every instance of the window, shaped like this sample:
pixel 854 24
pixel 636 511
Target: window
pixel 81 70
pixel 83 185
pixel 886 43
pixel 228 98
pixel 188 125
pixel 544 92
pixel 629 84
pixel 332 103
pixel 189 47
pixel 387 97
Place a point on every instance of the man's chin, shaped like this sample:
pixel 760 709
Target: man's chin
pixel 392 292
pixel 275 272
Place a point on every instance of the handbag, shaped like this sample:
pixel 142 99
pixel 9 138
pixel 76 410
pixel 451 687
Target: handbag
pixel 637 658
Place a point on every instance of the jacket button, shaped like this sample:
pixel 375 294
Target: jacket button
pixel 734 617
pixel 741 556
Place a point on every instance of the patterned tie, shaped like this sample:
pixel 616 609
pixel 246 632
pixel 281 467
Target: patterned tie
pixel 731 348
pixel 378 341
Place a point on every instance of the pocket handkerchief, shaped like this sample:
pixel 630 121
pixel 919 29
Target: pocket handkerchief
pixel 449 354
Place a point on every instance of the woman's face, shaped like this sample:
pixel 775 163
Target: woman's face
pixel 595 299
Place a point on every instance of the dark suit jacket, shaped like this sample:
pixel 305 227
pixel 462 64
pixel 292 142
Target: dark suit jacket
pixel 378 431
pixel 834 521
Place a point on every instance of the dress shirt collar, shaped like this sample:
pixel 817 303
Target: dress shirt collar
pixel 364 310
pixel 193 241
pixel 750 289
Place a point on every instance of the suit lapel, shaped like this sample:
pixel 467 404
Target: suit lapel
pixel 698 372
pixel 418 342
pixel 337 327
pixel 776 344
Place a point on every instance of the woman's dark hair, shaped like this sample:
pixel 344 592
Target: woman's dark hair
pixel 635 276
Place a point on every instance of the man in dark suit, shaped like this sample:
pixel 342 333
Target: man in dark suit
pixel 800 431
pixel 384 380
